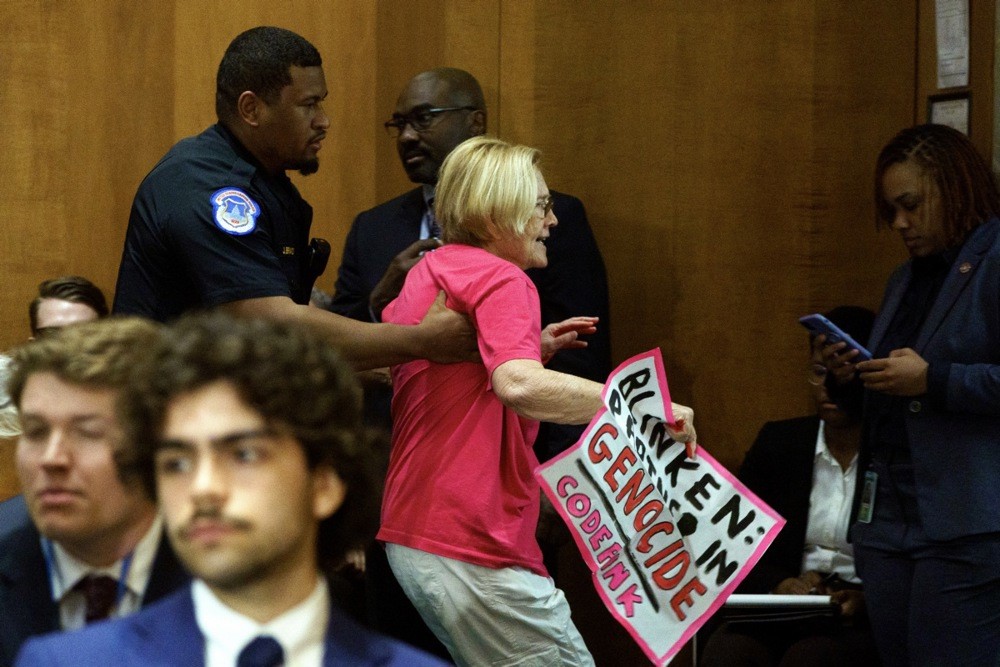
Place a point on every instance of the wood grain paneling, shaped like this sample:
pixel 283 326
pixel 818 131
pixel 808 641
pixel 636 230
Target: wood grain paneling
pixel 720 148
pixel 87 101
pixel 8 478
pixel 344 34
pixel 724 153
pixel 86 119
pixel 420 35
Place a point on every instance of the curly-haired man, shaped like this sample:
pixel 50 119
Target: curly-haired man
pixel 248 432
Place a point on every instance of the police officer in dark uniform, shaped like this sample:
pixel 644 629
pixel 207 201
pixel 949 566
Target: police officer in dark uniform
pixel 217 223
pixel 245 239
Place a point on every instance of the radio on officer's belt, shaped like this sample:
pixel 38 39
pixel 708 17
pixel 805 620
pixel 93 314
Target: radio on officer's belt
pixel 319 255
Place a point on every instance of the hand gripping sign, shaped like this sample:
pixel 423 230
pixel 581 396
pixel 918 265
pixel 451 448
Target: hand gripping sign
pixel 666 536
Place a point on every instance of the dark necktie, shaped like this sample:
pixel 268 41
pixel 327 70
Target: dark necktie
pixel 101 593
pixel 433 228
pixel 263 651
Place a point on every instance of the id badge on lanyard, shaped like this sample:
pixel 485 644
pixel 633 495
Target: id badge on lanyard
pixel 867 507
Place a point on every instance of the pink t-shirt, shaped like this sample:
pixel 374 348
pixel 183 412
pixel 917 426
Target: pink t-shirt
pixel 460 480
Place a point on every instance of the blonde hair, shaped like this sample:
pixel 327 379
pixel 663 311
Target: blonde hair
pixel 486 186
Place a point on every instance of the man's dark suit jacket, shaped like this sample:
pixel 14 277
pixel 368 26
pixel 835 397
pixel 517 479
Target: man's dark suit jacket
pixel 779 468
pixel 574 283
pixel 167 634
pixel 26 605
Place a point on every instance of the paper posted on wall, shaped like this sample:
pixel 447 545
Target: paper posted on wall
pixel 667 537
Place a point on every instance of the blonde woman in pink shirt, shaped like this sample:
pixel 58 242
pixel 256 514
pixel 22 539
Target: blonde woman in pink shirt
pixel 461 504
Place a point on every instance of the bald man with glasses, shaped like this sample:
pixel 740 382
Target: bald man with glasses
pixel 438 110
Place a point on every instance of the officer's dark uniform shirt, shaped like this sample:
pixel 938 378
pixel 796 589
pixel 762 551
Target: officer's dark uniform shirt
pixel 210 226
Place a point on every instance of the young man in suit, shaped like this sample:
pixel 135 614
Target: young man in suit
pixel 90 544
pixel 249 433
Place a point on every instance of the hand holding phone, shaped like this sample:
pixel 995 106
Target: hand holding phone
pixel 818 324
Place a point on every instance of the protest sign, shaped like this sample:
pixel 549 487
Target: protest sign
pixel 667 537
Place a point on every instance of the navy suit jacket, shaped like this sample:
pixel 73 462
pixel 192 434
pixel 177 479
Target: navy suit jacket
pixel 26 604
pixel 955 448
pixel 574 283
pixel 167 634
pixel 13 514
pixel 778 467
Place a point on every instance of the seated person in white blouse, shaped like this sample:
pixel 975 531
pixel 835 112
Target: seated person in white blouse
pixel 806 469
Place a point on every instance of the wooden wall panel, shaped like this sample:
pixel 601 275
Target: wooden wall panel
pixel 9 485
pixel 32 171
pixel 723 149
pixel 85 118
pixel 862 97
pixel 724 153
pixel 995 150
pixel 84 115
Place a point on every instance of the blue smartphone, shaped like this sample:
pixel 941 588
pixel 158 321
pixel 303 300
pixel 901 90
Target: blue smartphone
pixel 818 324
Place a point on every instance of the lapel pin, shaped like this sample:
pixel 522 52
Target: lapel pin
pixel 965 267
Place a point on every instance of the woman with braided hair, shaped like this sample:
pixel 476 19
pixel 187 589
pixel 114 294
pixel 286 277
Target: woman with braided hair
pixel 927 529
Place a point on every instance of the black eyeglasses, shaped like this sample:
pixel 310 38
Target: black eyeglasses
pixel 546 205
pixel 420 120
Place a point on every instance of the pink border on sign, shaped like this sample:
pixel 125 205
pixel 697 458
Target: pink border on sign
pixel 765 542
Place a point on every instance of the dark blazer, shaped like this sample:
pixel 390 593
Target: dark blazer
pixel 574 283
pixel 13 514
pixel 167 634
pixel 26 605
pixel 778 467
pixel 955 448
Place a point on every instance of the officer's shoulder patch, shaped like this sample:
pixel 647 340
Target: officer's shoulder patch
pixel 234 211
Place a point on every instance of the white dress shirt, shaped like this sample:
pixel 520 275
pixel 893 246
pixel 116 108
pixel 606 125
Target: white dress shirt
pixel 827 548
pixel 65 572
pixel 425 221
pixel 300 630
